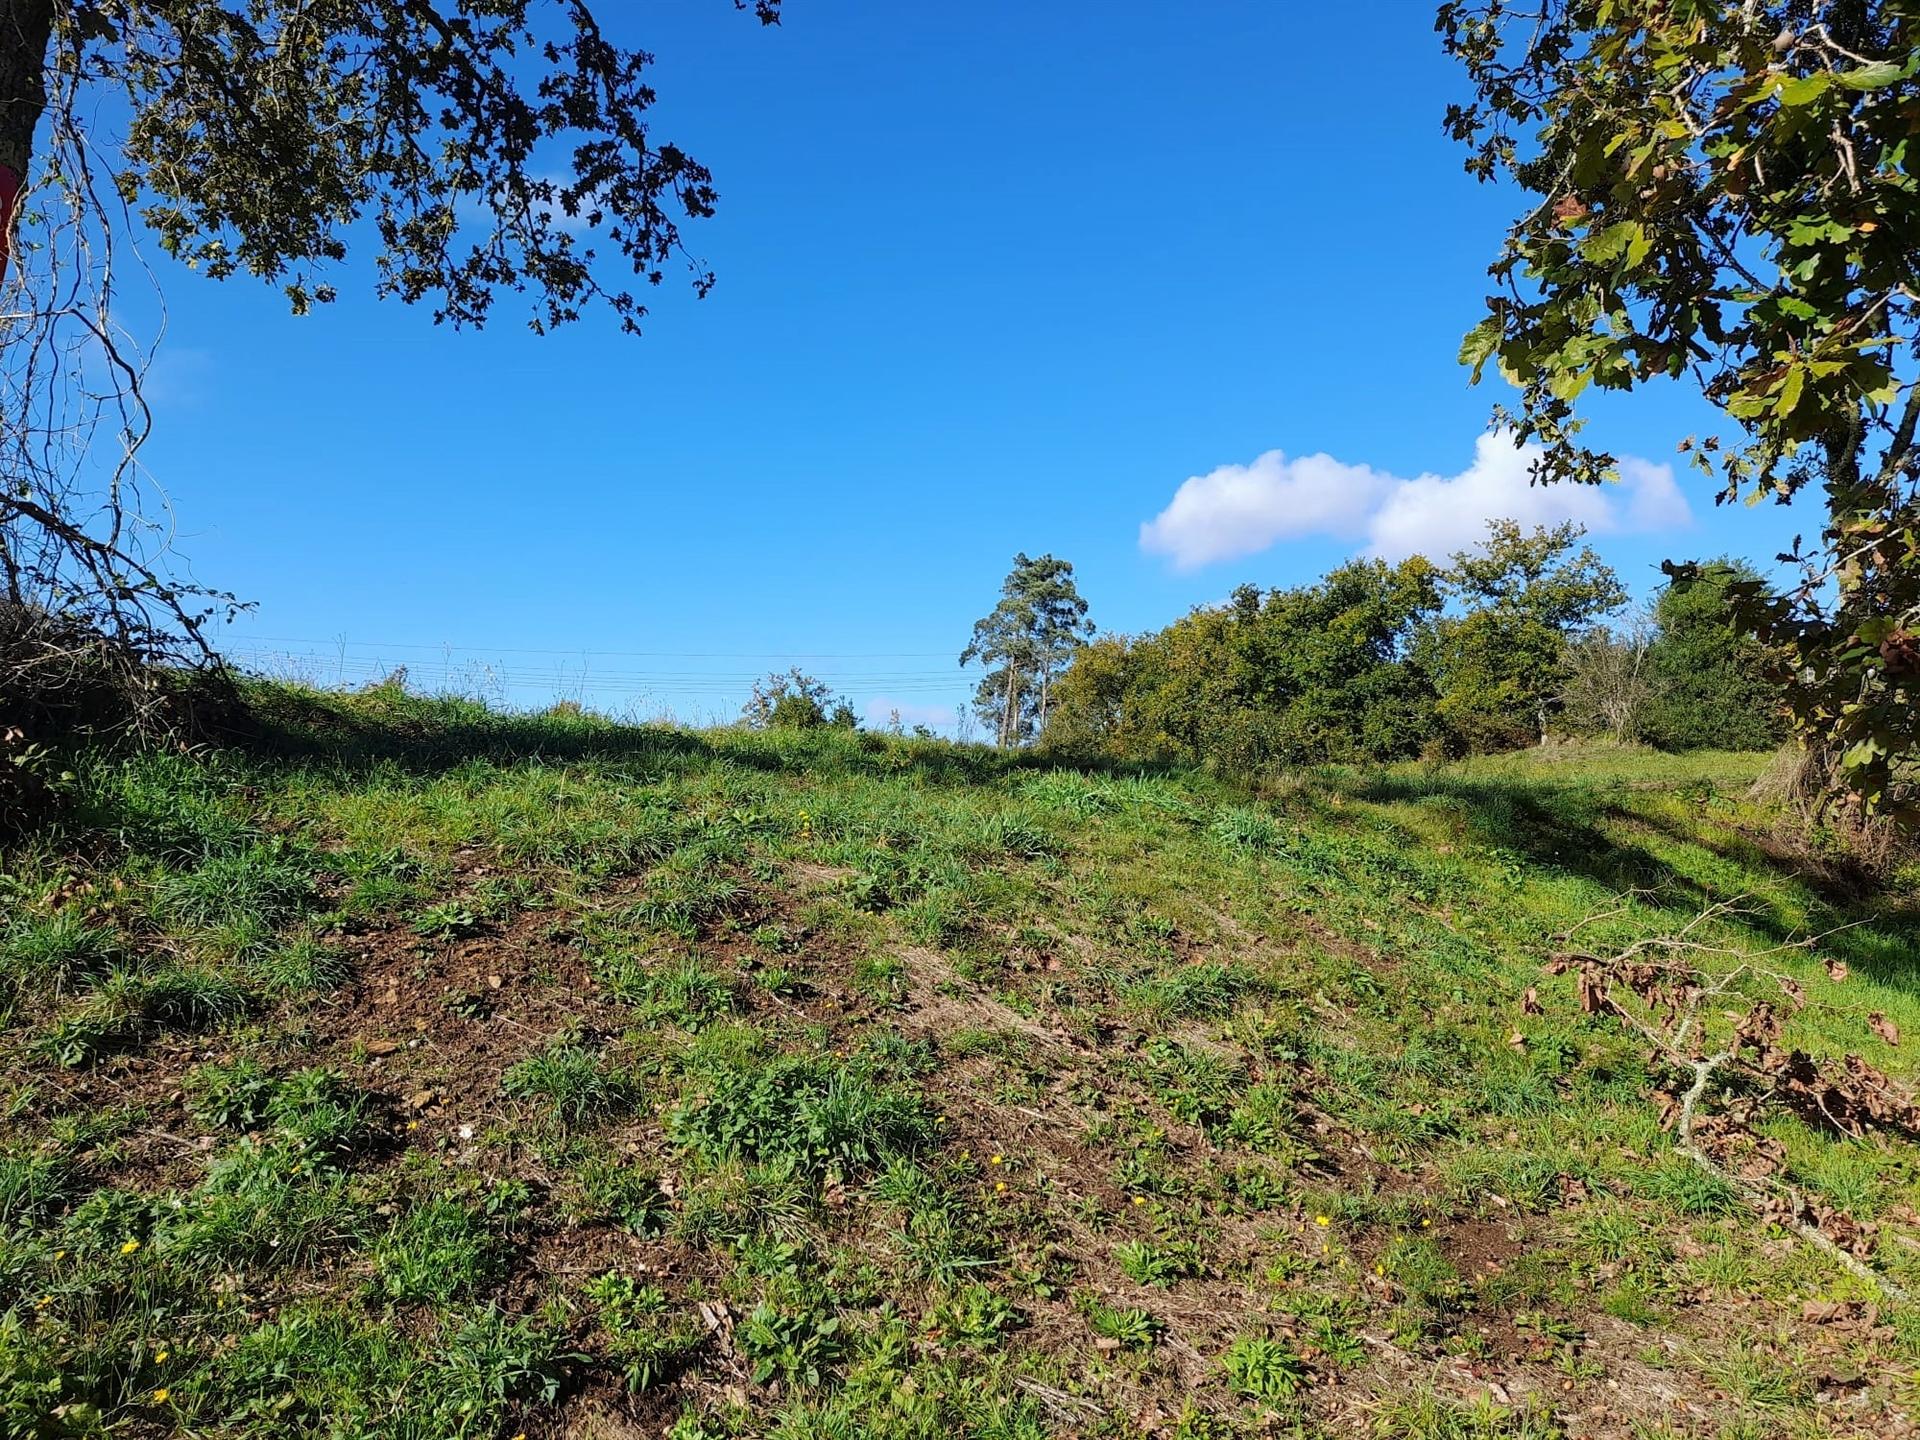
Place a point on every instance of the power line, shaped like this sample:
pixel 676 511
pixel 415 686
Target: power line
pixel 615 654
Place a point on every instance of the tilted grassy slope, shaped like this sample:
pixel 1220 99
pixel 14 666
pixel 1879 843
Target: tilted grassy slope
pixel 424 1072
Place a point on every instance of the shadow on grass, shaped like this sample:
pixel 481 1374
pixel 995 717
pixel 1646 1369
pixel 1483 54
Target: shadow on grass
pixel 1574 829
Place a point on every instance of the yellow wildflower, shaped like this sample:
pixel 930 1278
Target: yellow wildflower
pixel 129 1247
pixel 160 1396
pixel 1322 1221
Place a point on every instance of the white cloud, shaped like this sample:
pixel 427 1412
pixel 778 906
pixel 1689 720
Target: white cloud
pixel 1242 509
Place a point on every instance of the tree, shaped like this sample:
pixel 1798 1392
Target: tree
pixel 1609 683
pixel 1724 194
pixel 1316 673
pixel 796 701
pixel 1711 682
pixel 1501 663
pixel 1039 623
pixel 477 147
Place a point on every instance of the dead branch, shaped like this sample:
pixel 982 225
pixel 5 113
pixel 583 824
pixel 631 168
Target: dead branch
pixel 1671 1003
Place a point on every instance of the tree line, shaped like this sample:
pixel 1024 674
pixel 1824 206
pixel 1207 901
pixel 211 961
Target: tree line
pixel 1526 636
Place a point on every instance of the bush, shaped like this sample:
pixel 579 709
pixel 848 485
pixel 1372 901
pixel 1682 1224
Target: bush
pixel 796 701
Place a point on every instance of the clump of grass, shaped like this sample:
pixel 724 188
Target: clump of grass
pixel 1071 792
pixel 1146 1263
pixel 271 1203
pixel 687 993
pixel 192 997
pixel 690 889
pixel 436 1252
pixel 1245 829
pixel 1425 1276
pixel 50 952
pixel 305 965
pixel 1262 1368
pixel 570 1081
pixel 1012 836
pixel 826 1118
pixel 32 1185
pixel 645 1339
pixel 256 883
pixel 1202 990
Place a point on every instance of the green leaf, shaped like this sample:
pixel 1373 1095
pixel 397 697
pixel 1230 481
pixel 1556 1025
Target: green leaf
pixel 1804 90
pixel 1567 384
pixel 1790 389
pixel 1874 76
pixel 1862 754
pixel 1623 238
pixel 1478 345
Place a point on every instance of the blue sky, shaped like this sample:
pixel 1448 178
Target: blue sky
pixel 992 278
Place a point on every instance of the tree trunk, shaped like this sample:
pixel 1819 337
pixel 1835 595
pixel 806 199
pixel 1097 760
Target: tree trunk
pixel 25 28
pixel 1006 713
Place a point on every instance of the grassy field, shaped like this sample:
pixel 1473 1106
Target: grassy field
pixel 416 1071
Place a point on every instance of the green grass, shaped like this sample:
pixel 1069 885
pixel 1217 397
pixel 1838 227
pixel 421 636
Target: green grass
pixel 420 1070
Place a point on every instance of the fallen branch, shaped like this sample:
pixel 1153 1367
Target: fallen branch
pixel 1676 1001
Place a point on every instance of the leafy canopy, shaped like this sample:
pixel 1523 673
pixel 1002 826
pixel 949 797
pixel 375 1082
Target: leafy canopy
pixel 1501 662
pixel 482 144
pixel 1319 672
pixel 1725 195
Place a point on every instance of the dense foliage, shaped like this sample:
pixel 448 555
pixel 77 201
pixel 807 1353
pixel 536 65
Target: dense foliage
pixel 1726 194
pixel 1319 672
pixel 1499 663
pixel 1708 684
pixel 1381 662
pixel 796 701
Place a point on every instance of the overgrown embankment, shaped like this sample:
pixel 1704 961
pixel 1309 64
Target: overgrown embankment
pixel 420 1071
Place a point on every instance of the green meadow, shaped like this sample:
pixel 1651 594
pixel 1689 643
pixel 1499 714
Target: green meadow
pixel 403 1068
